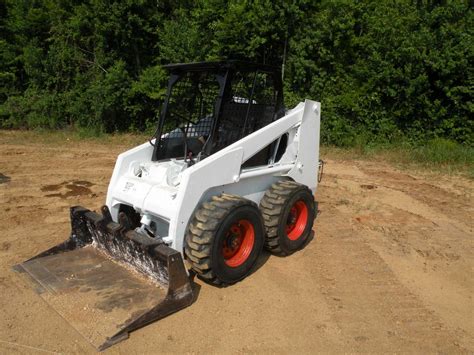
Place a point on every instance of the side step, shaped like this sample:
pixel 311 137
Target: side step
pixel 107 281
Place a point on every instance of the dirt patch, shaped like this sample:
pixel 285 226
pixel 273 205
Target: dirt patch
pixel 72 188
pixel 389 269
pixel 368 187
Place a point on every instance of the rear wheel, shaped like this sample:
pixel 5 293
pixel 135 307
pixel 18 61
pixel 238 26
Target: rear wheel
pixel 288 210
pixel 224 239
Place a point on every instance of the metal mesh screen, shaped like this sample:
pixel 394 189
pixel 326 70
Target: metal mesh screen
pixel 249 106
pixel 190 115
pixel 211 106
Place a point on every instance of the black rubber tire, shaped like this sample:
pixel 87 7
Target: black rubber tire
pixel 206 234
pixel 275 207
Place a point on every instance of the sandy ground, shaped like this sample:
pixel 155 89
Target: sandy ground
pixel 390 268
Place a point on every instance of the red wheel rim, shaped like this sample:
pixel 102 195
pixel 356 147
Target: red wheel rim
pixel 238 243
pixel 297 220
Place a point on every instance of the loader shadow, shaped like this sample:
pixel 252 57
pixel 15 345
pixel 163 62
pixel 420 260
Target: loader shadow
pixel 265 255
pixel 4 179
pixel 194 285
pixel 311 237
pixel 261 261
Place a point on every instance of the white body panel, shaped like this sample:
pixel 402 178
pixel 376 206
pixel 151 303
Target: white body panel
pixel 169 192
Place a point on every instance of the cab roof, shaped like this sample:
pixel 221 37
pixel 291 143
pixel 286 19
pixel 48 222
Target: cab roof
pixel 239 65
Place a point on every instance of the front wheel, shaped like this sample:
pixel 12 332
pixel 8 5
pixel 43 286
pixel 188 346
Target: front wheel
pixel 224 239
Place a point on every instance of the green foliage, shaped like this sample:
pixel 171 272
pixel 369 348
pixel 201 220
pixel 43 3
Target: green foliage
pixel 144 98
pixel 442 151
pixel 385 71
pixel 386 68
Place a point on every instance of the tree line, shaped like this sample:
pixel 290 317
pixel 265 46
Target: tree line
pixel 386 70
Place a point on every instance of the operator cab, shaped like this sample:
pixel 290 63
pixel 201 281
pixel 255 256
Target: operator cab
pixel 210 105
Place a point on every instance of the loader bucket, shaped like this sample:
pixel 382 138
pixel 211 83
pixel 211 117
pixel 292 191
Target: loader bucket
pixel 107 281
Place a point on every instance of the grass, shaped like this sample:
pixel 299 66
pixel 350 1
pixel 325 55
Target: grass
pixel 437 155
pixel 442 152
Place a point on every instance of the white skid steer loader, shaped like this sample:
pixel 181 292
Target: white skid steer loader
pixel 227 173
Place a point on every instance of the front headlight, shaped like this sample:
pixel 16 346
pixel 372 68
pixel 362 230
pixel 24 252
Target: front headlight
pixel 173 175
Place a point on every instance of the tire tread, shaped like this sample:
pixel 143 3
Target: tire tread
pixel 271 206
pixel 201 231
